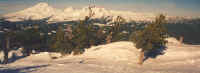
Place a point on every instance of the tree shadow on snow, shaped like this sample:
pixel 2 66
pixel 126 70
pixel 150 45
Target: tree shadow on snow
pixel 154 53
pixel 23 69
pixel 15 58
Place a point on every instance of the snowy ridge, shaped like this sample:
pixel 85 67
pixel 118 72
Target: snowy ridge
pixel 44 10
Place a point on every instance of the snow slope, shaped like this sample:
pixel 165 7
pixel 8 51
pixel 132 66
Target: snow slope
pixel 118 57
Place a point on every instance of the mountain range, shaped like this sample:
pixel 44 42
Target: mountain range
pixel 179 26
pixel 44 10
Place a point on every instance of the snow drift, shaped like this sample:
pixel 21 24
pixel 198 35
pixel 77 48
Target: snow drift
pixel 117 51
pixel 117 57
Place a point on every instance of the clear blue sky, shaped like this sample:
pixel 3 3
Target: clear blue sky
pixel 171 7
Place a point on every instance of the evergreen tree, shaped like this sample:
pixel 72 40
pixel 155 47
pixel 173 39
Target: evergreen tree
pixel 80 38
pixel 152 37
pixel 100 36
pixel 6 47
pixel 69 46
pixel 116 33
pixel 92 34
pixel 30 39
pixel 7 43
pixel 61 43
pixel 109 38
pixel 84 35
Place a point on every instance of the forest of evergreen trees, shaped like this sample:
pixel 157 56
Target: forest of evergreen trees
pixel 40 36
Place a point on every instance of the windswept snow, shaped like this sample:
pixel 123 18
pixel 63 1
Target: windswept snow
pixel 119 51
pixel 117 57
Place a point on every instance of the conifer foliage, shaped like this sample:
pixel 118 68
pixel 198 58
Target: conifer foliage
pixel 80 37
pixel 150 38
pixel 30 39
pixel 61 43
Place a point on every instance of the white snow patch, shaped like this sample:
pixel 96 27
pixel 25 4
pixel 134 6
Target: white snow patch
pixel 173 41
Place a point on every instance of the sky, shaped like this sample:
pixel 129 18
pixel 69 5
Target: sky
pixel 170 7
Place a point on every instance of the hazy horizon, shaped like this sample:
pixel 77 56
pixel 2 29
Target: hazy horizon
pixel 170 7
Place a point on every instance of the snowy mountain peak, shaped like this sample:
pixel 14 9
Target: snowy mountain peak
pixel 42 4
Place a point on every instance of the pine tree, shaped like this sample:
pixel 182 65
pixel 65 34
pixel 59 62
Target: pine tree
pixel 109 38
pixel 61 43
pixel 80 38
pixel 152 37
pixel 84 36
pixel 99 36
pixel 7 47
pixel 68 41
pixel 30 39
pixel 6 43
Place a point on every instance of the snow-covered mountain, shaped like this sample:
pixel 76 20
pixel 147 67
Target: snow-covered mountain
pixel 39 11
pixel 43 10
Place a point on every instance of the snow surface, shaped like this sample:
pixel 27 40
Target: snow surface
pixel 117 57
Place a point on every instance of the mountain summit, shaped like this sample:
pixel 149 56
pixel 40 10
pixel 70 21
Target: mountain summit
pixel 42 4
pixel 38 11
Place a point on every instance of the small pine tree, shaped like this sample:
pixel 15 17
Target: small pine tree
pixel 152 37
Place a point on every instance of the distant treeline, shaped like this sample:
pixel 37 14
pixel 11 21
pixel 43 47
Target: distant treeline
pixel 190 31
